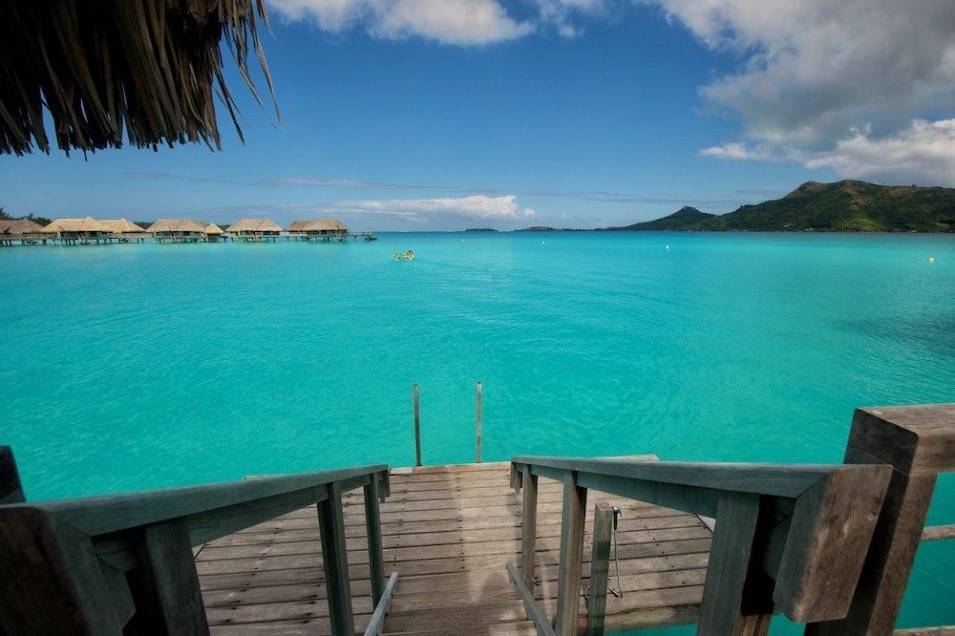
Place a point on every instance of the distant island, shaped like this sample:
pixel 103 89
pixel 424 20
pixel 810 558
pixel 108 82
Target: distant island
pixel 480 229
pixel 686 218
pixel 843 206
pixel 541 228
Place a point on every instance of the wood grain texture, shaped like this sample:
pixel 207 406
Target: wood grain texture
pixel 919 442
pixel 829 536
pixel 335 563
pixel 571 557
pixel 452 560
pixel 731 561
pixel 528 527
pixel 50 578
pixel 170 600
pixel 376 565
pixel 599 569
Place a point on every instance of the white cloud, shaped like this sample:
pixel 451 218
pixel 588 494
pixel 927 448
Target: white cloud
pixel 924 154
pixel 460 22
pixel 475 206
pixel 834 83
pixel 738 151
pixel 564 15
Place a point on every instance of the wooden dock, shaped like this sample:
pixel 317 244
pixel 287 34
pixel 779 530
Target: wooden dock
pixel 450 531
pixel 518 548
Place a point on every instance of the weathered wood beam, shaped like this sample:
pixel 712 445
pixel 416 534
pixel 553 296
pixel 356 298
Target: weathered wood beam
pixel 335 563
pixel 50 578
pixel 571 557
pixel 528 527
pixel 170 601
pixel 763 479
pixel 829 535
pixel 599 569
pixel 102 515
pixel 376 561
pixel 732 558
pixel 919 443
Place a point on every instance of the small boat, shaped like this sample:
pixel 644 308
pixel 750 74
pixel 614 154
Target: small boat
pixel 406 256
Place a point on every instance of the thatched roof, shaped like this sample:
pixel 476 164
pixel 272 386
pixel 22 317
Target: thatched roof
pixel 318 225
pixel 122 226
pixel 176 225
pixel 19 226
pixel 88 224
pixel 102 69
pixel 254 225
pixel 212 228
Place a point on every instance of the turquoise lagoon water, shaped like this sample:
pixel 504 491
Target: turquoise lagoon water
pixel 143 366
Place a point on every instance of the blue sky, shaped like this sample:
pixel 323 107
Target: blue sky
pixel 446 114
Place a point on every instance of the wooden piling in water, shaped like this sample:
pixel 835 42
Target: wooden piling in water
pixel 477 447
pixel 417 429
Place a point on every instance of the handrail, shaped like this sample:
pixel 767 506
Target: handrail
pixel 95 564
pixel 938 533
pixel 804 528
pixel 113 513
pixel 919 443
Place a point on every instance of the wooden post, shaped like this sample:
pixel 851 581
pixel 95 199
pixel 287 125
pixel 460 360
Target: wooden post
pixel 11 490
pixel 477 447
pixel 528 527
pixel 571 557
pixel 731 557
pixel 919 442
pixel 335 563
pixel 50 578
pixel 599 569
pixel 376 564
pixel 417 429
pixel 170 601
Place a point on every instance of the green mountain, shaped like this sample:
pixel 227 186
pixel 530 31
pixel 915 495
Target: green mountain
pixel 686 218
pixel 846 206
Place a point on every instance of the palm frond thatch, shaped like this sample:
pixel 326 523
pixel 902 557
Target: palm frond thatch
pixel 146 69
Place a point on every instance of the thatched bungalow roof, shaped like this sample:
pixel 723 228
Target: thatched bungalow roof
pixel 254 225
pixel 185 226
pixel 103 70
pixel 318 225
pixel 122 226
pixel 85 225
pixel 19 226
pixel 212 228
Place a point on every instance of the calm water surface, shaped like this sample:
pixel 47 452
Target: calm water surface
pixel 141 366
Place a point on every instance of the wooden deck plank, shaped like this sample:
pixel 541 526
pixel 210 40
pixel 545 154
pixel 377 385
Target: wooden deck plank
pixel 449 531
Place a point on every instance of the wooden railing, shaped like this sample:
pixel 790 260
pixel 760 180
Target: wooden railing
pixel 108 564
pixel 830 546
pixel 787 538
pixel 919 443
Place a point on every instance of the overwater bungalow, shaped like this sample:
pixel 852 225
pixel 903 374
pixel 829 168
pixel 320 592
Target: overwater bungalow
pixel 83 231
pixel 24 231
pixel 177 230
pixel 318 229
pixel 125 230
pixel 255 230
pixel 213 233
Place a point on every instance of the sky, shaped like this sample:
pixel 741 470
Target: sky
pixel 449 114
